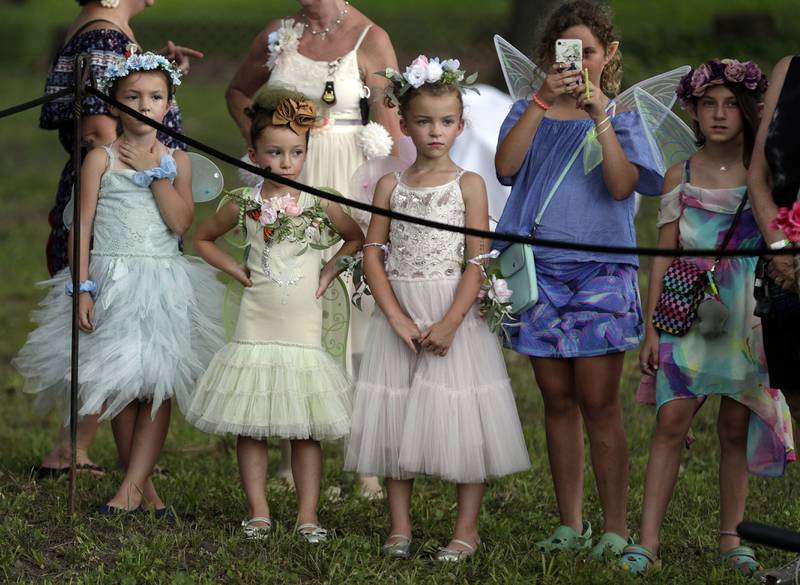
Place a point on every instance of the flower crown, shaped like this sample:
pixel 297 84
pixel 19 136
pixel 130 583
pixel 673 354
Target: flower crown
pixel 717 72
pixel 427 71
pixel 132 61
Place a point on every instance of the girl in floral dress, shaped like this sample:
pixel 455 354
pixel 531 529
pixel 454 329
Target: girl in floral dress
pixel 274 378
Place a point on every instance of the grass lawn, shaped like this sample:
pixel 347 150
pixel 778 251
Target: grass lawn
pixel 205 547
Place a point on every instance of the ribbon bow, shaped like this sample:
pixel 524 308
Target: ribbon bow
pixel 299 116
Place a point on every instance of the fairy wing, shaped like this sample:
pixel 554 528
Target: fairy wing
pixel 670 139
pixel 523 76
pixel 207 179
pixel 662 87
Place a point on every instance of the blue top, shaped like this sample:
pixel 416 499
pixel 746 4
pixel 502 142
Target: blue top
pixel 582 210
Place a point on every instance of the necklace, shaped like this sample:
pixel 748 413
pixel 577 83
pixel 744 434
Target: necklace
pixel 330 28
pixel 726 167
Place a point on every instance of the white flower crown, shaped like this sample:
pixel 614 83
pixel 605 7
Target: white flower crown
pixel 133 61
pixel 428 70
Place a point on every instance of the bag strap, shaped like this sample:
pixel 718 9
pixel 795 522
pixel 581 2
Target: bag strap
pixel 538 219
pixel 86 25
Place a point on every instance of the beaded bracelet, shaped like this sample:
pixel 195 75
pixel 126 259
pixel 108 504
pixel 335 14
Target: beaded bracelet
pixel 539 102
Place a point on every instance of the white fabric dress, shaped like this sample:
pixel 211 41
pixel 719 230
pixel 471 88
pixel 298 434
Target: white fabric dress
pixel 333 154
pixel 158 315
pixel 453 416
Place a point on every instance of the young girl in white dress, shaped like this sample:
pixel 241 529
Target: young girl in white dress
pixel 433 394
pixel 149 317
pixel 274 378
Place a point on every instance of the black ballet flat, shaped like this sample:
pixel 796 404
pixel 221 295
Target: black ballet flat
pixel 112 511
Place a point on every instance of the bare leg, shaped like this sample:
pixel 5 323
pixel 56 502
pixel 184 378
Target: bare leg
pixel 252 457
pixel 732 425
pixel 123 426
pixel 597 386
pixel 148 438
pixel 672 425
pixel 469 497
pixel 399 492
pixel 562 419
pixel 60 456
pixel 307 471
pixel 285 467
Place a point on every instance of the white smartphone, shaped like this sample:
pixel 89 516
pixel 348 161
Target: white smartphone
pixel 569 53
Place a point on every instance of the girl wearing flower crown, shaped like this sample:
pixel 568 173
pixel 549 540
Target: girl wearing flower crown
pixel 274 378
pixel 424 403
pixel 588 312
pixel 146 312
pixel 705 206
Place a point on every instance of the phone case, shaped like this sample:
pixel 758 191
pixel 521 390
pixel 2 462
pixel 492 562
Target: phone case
pixel 570 53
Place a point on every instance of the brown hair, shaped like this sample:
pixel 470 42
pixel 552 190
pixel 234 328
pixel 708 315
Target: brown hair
pixel 114 87
pixel 748 103
pixel 434 89
pixel 598 19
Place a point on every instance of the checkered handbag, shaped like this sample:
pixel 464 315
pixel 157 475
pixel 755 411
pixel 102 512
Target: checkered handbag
pixel 684 285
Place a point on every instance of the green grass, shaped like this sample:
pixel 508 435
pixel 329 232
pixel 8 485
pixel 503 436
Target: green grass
pixel 38 544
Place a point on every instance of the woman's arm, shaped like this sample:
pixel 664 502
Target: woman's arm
pixel 250 76
pixel 379 285
pixel 440 336
pixel 353 238
pixel 212 228
pixel 668 238
pixel 377 54
pixel 94 165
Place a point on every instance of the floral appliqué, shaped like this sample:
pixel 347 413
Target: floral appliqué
pixel 286 38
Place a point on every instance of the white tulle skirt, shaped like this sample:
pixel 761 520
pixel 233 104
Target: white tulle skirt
pixel 453 417
pixel 158 323
pixel 273 389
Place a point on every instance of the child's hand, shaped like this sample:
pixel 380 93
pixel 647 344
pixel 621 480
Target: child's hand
pixel 86 312
pixel 648 354
pixel 406 330
pixel 439 337
pixel 558 83
pixel 595 104
pixel 242 274
pixel 138 157
pixel 326 277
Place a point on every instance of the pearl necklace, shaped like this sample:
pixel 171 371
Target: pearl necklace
pixel 328 29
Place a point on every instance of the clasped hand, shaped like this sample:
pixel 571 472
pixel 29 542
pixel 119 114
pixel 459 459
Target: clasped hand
pixel 437 339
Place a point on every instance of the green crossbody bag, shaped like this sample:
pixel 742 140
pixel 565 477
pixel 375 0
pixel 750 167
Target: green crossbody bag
pixel 516 262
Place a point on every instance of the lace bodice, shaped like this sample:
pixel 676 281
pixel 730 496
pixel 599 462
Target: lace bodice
pixel 419 252
pixel 128 221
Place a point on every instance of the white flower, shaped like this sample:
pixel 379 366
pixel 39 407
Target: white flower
pixel 374 141
pixel 268 215
pixel 109 3
pixel 499 290
pixel 312 234
pixel 435 71
pixel 451 64
pixel 286 38
pixel 415 76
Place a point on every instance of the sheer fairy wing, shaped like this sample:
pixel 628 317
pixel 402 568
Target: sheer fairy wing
pixel 207 179
pixel 670 139
pixel 522 75
pixel 662 87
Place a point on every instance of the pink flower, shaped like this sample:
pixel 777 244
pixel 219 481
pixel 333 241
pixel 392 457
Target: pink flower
pixel 268 215
pixel 293 209
pixel 734 70
pixel 499 290
pixel 788 220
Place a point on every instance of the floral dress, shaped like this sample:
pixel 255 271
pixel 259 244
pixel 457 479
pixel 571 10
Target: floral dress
pixel 103 46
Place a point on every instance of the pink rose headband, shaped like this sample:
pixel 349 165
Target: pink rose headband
pixel 718 72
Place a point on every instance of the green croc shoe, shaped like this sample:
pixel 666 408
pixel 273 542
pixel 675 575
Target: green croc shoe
pixel 609 546
pixel 566 539
pixel 742 558
pixel 637 559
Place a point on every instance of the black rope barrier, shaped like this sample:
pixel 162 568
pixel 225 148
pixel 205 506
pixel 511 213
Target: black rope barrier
pixel 467 231
pixel 37 102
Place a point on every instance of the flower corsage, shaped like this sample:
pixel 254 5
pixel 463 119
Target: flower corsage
pixel 788 221
pixel 494 297
pixel 354 265
pixel 285 219
pixel 286 38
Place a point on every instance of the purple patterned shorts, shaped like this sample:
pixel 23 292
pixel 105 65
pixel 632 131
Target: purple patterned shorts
pixel 585 309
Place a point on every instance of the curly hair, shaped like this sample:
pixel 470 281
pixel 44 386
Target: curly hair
pixel 598 19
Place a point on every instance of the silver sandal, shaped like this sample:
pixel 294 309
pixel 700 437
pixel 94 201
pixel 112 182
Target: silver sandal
pixel 456 555
pixel 312 533
pixel 252 532
pixel 400 549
